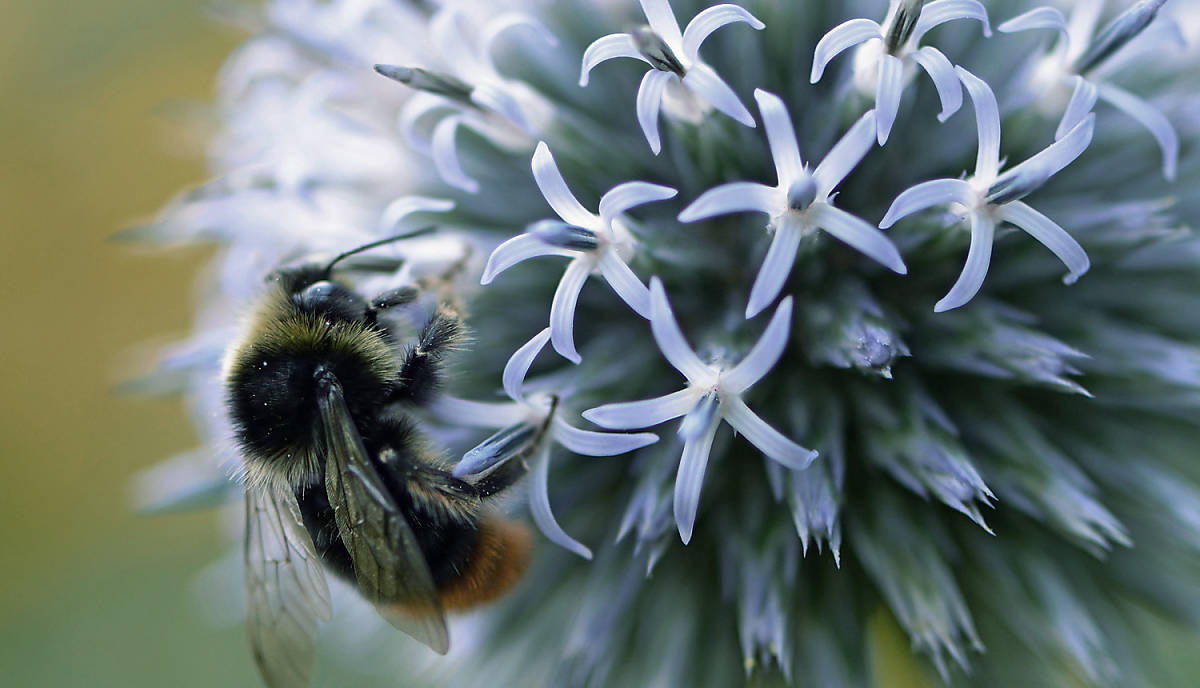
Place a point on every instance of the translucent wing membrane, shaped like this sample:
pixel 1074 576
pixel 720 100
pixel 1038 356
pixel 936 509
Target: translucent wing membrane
pixel 286 592
pixel 391 569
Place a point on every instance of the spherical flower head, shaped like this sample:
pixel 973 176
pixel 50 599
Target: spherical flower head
pixel 859 368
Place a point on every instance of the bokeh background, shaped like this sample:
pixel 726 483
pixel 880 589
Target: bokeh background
pixel 102 119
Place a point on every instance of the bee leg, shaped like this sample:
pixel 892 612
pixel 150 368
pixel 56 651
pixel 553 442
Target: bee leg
pixel 502 478
pixel 421 368
pixel 400 296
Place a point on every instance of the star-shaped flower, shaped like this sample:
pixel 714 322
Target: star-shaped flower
pixel 531 421
pixel 800 203
pixel 892 49
pixel 713 393
pixel 675 58
pixel 599 243
pixel 989 198
pixel 1074 61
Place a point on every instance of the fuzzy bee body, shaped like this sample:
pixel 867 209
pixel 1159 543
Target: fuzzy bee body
pixel 340 478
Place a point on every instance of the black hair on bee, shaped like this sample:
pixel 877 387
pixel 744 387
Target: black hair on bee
pixel 339 476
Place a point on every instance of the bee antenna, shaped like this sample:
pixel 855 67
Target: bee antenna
pixel 375 244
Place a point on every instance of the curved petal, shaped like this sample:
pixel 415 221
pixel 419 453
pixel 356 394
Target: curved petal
pixel 1050 235
pixel 1061 153
pixel 978 257
pixel 772 443
pixel 539 508
pixel 690 479
pixel 497 100
pixel 477 414
pixel 418 105
pixel 517 249
pixel 554 189
pixel 859 234
pixel 887 95
pixel 777 264
pixel 764 355
pixel 662 20
pixel 592 443
pixel 622 197
pixel 1039 18
pixel 1154 121
pixel 1083 99
pixel 509 20
pixel 942 11
pixel 644 413
pixel 839 38
pixel 445 157
pixel 781 137
pixel 649 100
pixel 944 79
pixel 669 337
pixel 704 82
pixel 926 195
pixel 562 309
pixel 737 197
pixel 987 121
pixel 710 20
pixel 404 206
pixel 606 48
pixel 845 155
pixel 518 364
pixel 625 283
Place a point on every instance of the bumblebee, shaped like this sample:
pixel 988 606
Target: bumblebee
pixel 339 477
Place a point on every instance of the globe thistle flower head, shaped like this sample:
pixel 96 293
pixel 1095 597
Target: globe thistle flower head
pixel 797 436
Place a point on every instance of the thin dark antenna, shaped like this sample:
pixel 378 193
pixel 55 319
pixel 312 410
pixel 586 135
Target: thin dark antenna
pixel 375 244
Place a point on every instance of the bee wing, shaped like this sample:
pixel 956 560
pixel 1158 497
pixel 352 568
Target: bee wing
pixel 286 592
pixel 390 567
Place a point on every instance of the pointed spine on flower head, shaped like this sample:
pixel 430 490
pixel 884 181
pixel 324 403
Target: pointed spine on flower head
pixel 800 203
pixel 988 197
pixel 530 425
pixel 713 393
pixel 906 24
pixel 675 57
pixel 593 242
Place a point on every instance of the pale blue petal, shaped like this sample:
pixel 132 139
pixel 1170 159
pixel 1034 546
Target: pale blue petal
pixel 669 337
pixel 942 11
pixel 772 443
pixel 607 48
pixel 644 413
pixel 703 81
pixel 978 257
pixel 887 95
pixel 781 137
pixel 591 443
pixel 649 100
pixel 777 265
pixel 404 206
pixel 518 364
pixel 622 197
pixel 1083 99
pixel 562 309
pixel 662 20
pixel 710 20
pixel 539 507
pixel 509 20
pixel 690 479
pixel 1061 153
pixel 625 283
pixel 926 195
pixel 859 234
pixel 554 189
pixel 1050 235
pixel 477 414
pixel 1152 119
pixel 987 121
pixel 1040 18
pixel 445 157
pixel 845 155
pixel 839 38
pixel 497 100
pixel 944 79
pixel 765 354
pixel 519 248
pixel 418 105
pixel 737 197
